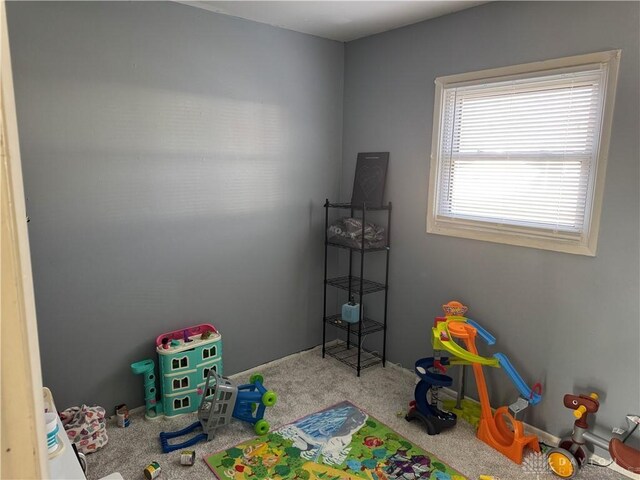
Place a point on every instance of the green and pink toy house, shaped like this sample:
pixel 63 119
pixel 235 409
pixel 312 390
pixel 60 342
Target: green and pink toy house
pixel 185 358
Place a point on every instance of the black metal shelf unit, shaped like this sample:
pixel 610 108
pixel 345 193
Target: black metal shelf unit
pixel 351 352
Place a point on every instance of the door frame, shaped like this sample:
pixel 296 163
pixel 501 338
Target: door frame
pixel 22 435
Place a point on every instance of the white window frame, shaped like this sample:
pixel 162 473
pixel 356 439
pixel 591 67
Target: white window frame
pixel 183 362
pixel 181 383
pixel 587 244
pixel 184 402
pixel 205 370
pixel 211 352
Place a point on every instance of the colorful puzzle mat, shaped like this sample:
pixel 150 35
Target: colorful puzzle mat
pixel 341 442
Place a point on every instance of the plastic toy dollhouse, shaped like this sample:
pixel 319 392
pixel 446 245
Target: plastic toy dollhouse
pixel 185 358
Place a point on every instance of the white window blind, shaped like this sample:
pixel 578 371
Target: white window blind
pixel 522 152
pixel 519 152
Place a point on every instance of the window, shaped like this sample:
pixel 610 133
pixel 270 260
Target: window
pixel 209 352
pixel 519 153
pixel 180 383
pixel 179 403
pixel 205 371
pixel 179 363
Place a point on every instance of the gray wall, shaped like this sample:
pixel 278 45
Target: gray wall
pixel 572 322
pixel 175 162
pixel 175 165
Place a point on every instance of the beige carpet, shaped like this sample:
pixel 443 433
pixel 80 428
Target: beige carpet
pixel 306 383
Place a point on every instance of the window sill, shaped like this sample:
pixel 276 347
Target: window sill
pixel 511 238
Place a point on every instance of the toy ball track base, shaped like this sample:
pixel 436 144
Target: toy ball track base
pixel 469 411
pixel 433 424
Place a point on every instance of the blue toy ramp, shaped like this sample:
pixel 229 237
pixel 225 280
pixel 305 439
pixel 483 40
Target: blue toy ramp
pixel 528 394
pixel 483 332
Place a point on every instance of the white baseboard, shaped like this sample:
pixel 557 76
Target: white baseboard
pixel 279 360
pixel 141 408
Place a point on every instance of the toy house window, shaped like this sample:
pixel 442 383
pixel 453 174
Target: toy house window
pixel 205 371
pixel 519 153
pixel 181 382
pixel 209 391
pixel 209 352
pixel 179 403
pixel 179 363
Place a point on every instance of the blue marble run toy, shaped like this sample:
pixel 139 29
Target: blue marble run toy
pixel 245 402
pixel 424 408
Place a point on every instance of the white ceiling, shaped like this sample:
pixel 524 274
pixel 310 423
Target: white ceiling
pixel 336 20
